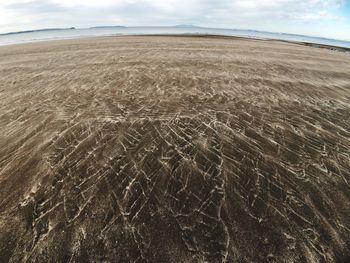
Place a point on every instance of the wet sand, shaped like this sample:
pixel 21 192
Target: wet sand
pixel 174 149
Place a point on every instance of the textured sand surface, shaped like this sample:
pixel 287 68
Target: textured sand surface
pixel 174 149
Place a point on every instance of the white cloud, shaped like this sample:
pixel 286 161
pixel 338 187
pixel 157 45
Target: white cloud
pixel 89 3
pixel 274 15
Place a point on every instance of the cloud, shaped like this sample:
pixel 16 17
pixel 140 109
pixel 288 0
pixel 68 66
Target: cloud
pixel 33 7
pixel 274 15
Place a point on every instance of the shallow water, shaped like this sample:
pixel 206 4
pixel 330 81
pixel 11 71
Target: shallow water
pixel 17 38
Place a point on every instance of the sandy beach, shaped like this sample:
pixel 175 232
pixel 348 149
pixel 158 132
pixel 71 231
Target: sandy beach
pixel 174 149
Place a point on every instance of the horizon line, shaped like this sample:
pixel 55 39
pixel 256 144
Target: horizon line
pixel 168 26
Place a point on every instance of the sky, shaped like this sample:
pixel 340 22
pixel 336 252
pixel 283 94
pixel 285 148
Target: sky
pixel 324 18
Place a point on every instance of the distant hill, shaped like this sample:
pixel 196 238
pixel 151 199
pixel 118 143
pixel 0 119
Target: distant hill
pixel 94 27
pixel 185 26
pixel 38 30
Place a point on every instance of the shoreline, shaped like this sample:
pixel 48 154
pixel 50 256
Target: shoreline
pixel 310 44
pixel 191 35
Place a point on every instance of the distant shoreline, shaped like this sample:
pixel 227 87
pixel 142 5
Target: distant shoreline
pixel 176 26
pixel 37 30
pixel 334 48
pixel 315 45
pixel 30 36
